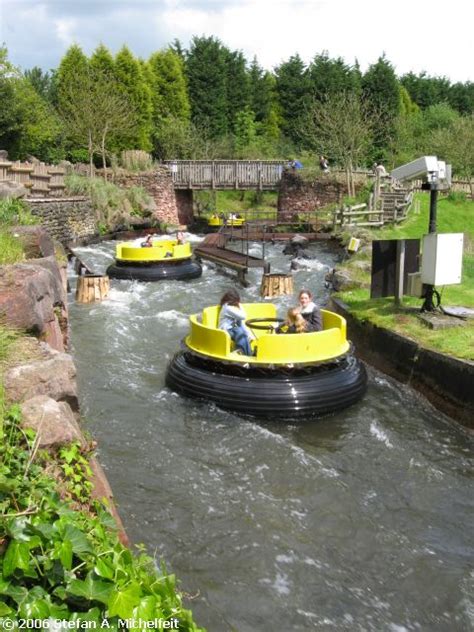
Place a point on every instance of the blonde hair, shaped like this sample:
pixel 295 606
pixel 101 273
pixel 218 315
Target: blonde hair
pixel 295 318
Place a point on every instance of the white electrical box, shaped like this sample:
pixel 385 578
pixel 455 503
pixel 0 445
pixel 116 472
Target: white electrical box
pixel 414 285
pixel 442 259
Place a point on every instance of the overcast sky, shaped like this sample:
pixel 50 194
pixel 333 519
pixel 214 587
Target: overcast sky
pixel 434 35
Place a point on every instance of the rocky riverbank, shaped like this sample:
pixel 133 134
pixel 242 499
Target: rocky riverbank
pixel 40 375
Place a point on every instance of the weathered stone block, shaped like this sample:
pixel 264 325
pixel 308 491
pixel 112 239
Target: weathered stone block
pixel 53 421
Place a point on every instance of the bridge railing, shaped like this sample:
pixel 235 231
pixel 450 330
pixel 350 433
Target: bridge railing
pixel 226 174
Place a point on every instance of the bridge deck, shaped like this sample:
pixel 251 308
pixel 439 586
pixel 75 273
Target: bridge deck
pixel 226 174
pixel 229 258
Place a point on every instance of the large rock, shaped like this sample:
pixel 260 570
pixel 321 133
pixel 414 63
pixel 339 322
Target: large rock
pixel 53 421
pixel 12 189
pixel 29 294
pixel 35 240
pixel 54 376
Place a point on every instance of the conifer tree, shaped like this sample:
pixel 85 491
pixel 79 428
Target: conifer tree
pixel 381 95
pixel 130 78
pixel 168 86
pixel 206 73
pixel 331 76
pixel 293 94
pixel 262 91
pixel 74 66
pixel 237 86
pixel 102 61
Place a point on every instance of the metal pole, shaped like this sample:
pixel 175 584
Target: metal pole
pixel 433 208
pixel 428 305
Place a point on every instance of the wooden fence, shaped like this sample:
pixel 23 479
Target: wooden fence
pixel 39 179
pixel 393 211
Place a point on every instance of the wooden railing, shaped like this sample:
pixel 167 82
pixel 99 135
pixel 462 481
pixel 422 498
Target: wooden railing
pixel 226 174
pixel 39 179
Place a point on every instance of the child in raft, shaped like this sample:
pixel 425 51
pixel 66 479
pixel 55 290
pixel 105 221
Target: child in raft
pixel 294 323
pixel 232 319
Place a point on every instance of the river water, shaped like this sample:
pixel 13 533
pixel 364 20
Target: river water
pixel 359 521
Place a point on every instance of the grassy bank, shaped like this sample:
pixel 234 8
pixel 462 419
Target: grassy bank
pixel 253 203
pixel 455 214
pixel 12 213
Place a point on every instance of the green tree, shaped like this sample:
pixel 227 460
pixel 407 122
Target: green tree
pixel 28 124
pixel 341 127
pixel 133 87
pixel 237 86
pixel 207 81
pixel 292 88
pixel 41 81
pixel 425 90
pixel 168 86
pixel 102 62
pixel 262 87
pixel 408 130
pixel 96 113
pixel 455 144
pixel 381 93
pixel 245 133
pixel 330 76
pixel 74 66
pixel 461 97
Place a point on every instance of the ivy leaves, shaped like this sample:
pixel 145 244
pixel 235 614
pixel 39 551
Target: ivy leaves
pixel 59 562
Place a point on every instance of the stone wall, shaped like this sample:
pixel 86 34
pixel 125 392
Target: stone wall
pixel 65 219
pixel 159 185
pixel 298 195
pixel 184 202
pixel 445 381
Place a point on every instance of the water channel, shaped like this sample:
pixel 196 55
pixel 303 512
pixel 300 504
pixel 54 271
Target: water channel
pixel 359 521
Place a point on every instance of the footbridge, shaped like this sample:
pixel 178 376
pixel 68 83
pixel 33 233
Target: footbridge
pixel 226 174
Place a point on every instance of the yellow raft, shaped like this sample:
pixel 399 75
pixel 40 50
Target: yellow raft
pixel 290 376
pixel 165 259
pixel 217 222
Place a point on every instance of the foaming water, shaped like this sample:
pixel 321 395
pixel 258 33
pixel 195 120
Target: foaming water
pixel 359 521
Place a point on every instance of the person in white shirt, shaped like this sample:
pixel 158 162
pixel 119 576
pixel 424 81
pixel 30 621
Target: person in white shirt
pixel 310 312
pixel 232 319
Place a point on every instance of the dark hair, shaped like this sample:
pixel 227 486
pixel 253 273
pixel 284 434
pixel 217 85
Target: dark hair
pixel 231 297
pixel 304 291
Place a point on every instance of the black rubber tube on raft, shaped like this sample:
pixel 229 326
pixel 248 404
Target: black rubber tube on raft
pixel 273 395
pixel 181 270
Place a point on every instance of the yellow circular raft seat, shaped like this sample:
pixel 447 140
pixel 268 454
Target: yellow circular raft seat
pixel 216 222
pixel 289 376
pixel 161 250
pixel 165 259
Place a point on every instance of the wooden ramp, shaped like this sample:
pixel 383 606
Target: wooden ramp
pixel 213 249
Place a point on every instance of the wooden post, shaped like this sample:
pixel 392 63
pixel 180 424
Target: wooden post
pixel 92 288
pixel 276 285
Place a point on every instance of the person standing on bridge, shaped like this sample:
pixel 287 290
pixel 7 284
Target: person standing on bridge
pixel 232 319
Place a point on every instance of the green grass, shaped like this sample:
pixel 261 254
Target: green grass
pixel 251 203
pixel 454 215
pixel 11 249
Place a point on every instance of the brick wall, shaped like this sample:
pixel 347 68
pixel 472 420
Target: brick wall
pixel 298 195
pixel 159 185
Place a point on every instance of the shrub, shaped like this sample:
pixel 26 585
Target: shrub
pixel 15 211
pixel 112 204
pixel 457 197
pixel 62 562
pixel 136 160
